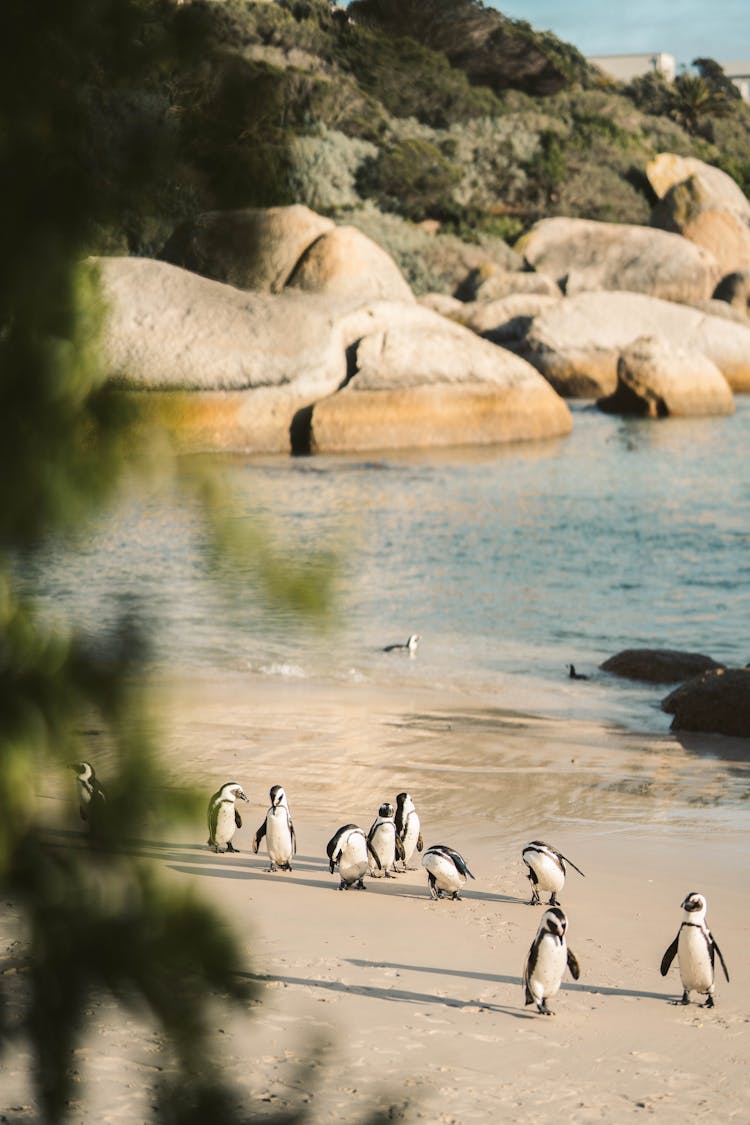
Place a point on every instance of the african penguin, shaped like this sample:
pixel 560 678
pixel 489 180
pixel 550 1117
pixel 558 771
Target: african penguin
pixel 695 948
pixel 384 842
pixel 547 959
pixel 349 849
pixel 410 646
pixel 573 675
pixel 408 827
pixel 91 796
pixel 446 871
pixel 223 818
pixel 546 870
pixel 278 831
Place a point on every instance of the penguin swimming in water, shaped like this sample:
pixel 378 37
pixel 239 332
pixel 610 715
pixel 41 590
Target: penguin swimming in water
pixel 546 870
pixel 547 959
pixel 446 871
pixel 383 841
pixel 573 675
pixel 694 947
pixel 278 831
pixel 91 796
pixel 410 646
pixel 223 817
pixel 408 827
pixel 349 849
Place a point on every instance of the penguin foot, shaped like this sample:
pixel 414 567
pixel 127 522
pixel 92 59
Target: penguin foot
pixel 273 867
pixel 455 897
pixel 709 1002
pixel 231 848
pixel 553 900
pixel 360 886
pixel 544 1010
pixel 534 900
pixel 685 999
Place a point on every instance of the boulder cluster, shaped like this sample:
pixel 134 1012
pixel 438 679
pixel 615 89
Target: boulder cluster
pixel 280 331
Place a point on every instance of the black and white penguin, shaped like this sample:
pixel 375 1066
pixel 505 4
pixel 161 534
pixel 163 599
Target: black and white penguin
pixel 409 646
pixel 223 817
pixel 383 841
pixel 694 947
pixel 547 959
pixel 447 871
pixel 278 830
pixel 349 850
pixel 573 675
pixel 546 870
pixel 91 796
pixel 408 827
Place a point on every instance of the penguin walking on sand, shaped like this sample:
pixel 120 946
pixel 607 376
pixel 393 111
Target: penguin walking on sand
pixel 408 827
pixel 384 842
pixel 694 948
pixel 546 870
pixel 447 871
pixel 91 796
pixel 223 817
pixel 278 831
pixel 350 851
pixel 547 960
pixel 409 646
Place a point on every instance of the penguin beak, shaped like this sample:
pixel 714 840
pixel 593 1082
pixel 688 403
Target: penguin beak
pixel 241 794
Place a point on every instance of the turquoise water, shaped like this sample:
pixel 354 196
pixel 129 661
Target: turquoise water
pixel 511 562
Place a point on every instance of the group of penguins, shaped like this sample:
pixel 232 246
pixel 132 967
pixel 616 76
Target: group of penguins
pixel 395 836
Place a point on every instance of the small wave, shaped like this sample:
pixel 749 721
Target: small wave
pixel 291 671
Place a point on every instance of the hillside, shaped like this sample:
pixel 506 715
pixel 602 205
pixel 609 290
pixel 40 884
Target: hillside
pixel 393 112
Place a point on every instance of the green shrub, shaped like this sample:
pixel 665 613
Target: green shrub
pixel 413 177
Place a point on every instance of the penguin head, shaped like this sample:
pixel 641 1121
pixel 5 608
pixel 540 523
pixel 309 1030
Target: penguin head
pixel 233 790
pixel 413 641
pixel 694 905
pixel 84 770
pixel 554 922
pixel 277 795
pixel 386 809
pixel 404 801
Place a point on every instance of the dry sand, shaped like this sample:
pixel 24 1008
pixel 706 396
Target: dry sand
pixel 416 1004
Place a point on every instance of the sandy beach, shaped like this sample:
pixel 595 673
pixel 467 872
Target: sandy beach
pixel 387 1000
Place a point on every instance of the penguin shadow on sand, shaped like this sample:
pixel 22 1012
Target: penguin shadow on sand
pixel 245 865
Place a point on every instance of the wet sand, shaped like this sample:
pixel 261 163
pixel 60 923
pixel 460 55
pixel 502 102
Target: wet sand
pixel 388 999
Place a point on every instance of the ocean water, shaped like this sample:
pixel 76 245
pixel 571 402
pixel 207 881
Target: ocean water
pixel 511 562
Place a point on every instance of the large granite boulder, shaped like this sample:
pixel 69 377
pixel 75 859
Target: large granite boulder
pixel 250 249
pixel 346 263
pixel 658 666
pixel 508 319
pixel 576 343
pixel 687 209
pixel 718 189
pixel 718 701
pixel 488 282
pixel 585 255
pixel 421 380
pixel 656 378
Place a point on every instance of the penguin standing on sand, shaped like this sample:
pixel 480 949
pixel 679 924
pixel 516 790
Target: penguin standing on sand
pixel 409 646
pixel 91 797
pixel 547 960
pixel 223 817
pixel 546 870
pixel 278 831
pixel 447 871
pixel 694 947
pixel 349 850
pixel 408 827
pixel 383 841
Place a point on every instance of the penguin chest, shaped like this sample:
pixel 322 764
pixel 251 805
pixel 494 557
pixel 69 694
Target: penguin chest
pixel 551 959
pixel 549 874
pixel 411 835
pixel 354 859
pixel 278 836
pixel 383 842
pixel 696 970
pixel 225 823
pixel 446 874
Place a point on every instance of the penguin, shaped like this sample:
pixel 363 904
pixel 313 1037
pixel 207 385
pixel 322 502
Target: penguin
pixel 573 675
pixel 410 646
pixel 383 841
pixel 349 849
pixel 91 796
pixel 223 818
pixel 694 947
pixel 446 871
pixel 278 831
pixel 547 959
pixel 546 870
pixel 408 827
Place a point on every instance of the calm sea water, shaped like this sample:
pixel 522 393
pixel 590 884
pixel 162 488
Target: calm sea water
pixel 511 562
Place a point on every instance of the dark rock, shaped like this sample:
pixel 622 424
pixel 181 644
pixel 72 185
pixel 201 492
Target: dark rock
pixel 658 666
pixel 718 701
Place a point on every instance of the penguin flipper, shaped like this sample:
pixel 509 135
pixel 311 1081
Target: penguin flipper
pixel 721 957
pixel 237 819
pixel 400 849
pixel 669 957
pixel 374 854
pixel 258 837
pixel 293 834
pixel 575 969
pixel 420 842
pixel 570 861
